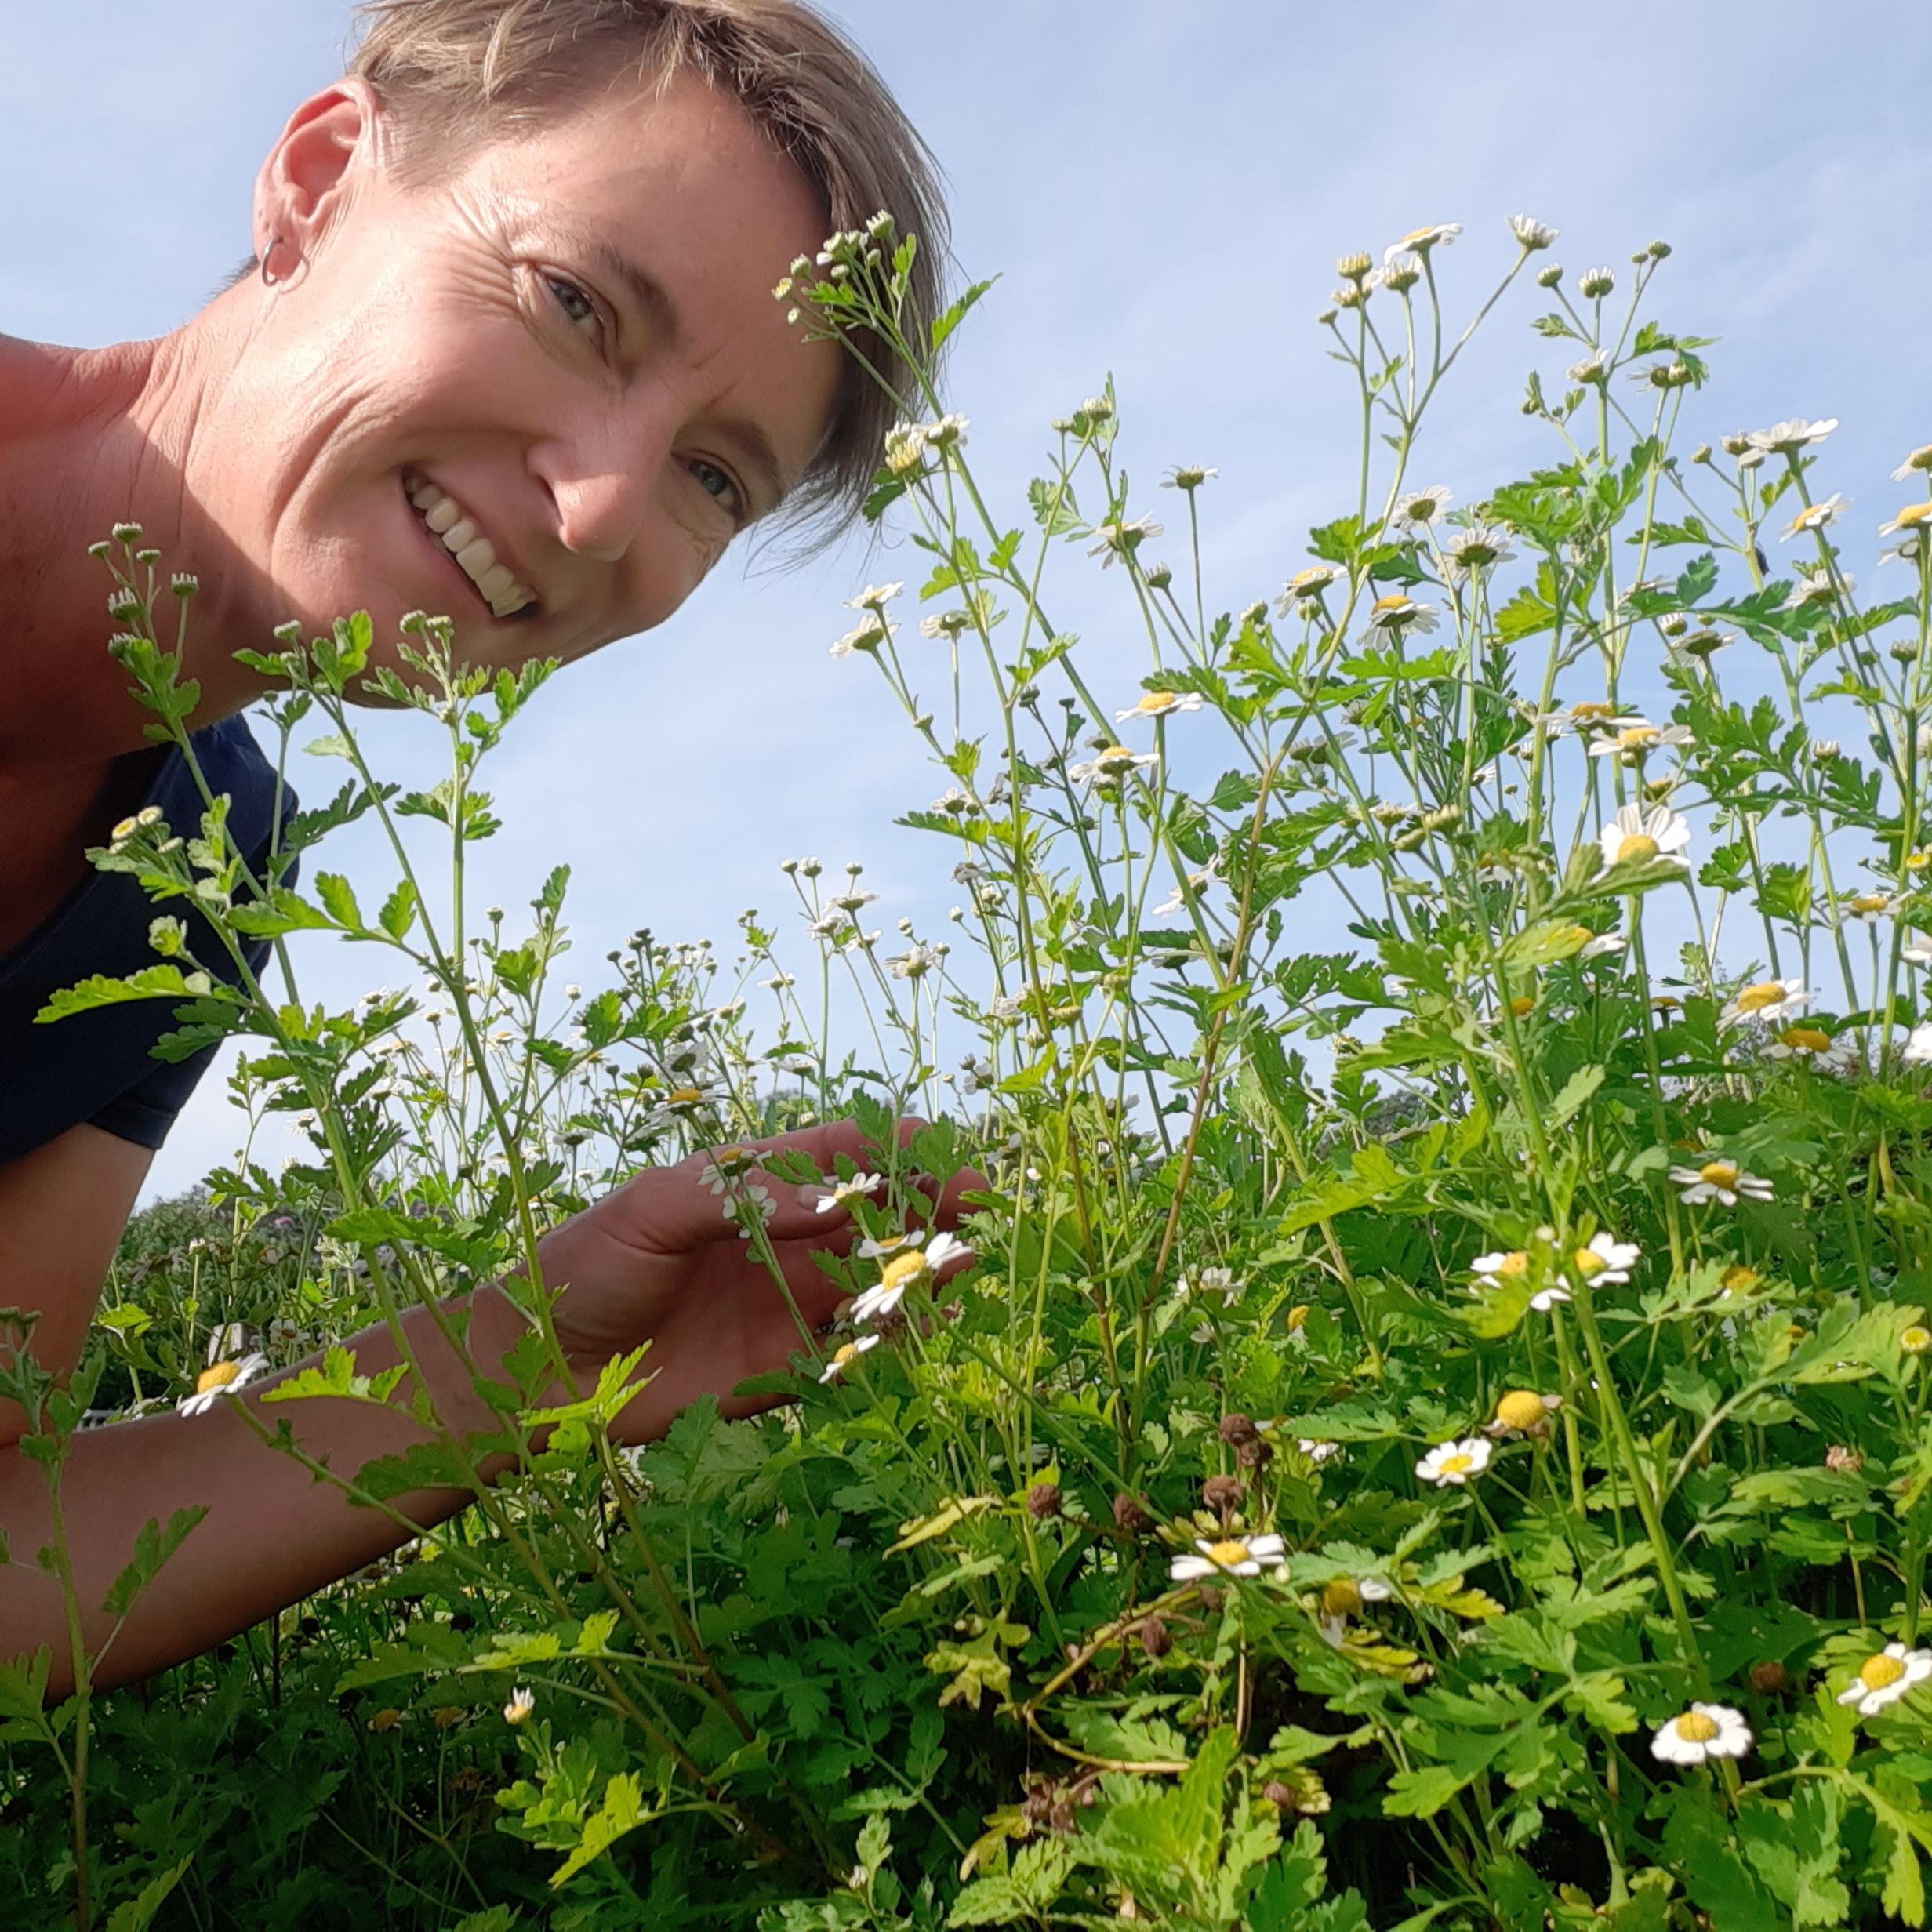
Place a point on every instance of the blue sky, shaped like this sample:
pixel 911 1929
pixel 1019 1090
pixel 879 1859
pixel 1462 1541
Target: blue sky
pixel 1164 190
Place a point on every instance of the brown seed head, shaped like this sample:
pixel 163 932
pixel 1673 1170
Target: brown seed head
pixel 1043 1501
pixel 1155 1638
pixel 1129 1515
pixel 1222 1493
pixel 1280 1795
pixel 1255 1455
pixel 1769 1676
pixel 1237 1429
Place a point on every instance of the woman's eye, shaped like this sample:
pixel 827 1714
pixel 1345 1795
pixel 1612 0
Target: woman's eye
pixel 579 308
pixel 718 483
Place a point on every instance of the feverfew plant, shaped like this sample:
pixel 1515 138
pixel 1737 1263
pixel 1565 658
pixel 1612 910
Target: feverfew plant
pixel 1433 1429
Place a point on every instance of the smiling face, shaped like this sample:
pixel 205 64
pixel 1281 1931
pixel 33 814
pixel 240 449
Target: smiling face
pixel 573 340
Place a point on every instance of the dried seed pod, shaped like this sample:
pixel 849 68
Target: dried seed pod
pixel 1129 1515
pixel 1770 1677
pixel 1237 1429
pixel 1155 1638
pixel 1255 1455
pixel 1222 1494
pixel 1043 1501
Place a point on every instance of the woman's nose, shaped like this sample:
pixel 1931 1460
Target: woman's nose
pixel 602 481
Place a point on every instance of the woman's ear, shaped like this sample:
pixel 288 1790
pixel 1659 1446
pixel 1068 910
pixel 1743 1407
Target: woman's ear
pixel 311 171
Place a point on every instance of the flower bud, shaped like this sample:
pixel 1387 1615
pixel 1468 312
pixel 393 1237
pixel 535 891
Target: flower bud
pixel 1237 1429
pixel 1280 1795
pixel 1155 1638
pixel 1770 1677
pixel 1129 1516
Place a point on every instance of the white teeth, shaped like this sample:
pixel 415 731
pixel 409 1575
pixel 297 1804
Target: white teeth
pixel 473 551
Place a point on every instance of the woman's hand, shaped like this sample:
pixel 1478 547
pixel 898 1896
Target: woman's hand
pixel 658 1262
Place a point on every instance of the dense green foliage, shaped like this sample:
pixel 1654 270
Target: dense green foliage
pixel 1456 1456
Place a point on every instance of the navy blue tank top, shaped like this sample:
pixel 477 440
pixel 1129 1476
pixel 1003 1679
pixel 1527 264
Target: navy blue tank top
pixel 96 1067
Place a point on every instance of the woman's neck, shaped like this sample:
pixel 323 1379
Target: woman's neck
pixel 90 438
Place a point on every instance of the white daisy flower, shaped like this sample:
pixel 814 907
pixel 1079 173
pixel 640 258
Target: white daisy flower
pixel 949 624
pixel 1317 1452
pixel 910 1267
pixel 1493 1270
pixel 915 963
pixel 520 1705
pixel 1603 945
pixel 1920 459
pixel 1123 538
pixel 1590 715
pixel 1869 907
pixel 1815 585
pixel 1605 1260
pixel 1544 1299
pixel 1532 234
pixel 1477 548
pixel 869 636
pixel 1420 241
pixel 1633 737
pixel 1420 508
pixel 1721 1181
pixel 874 598
pixel 1455 1461
pixel 1817 516
pixel 1912 519
pixel 1906 550
pixel 1786 439
pixel 1113 762
pixel 1305 586
pixel 1917 1051
pixel 858 1187
pixel 1638 833
pixel 1814 1047
pixel 1176 901
pixel 1398 613
pixel 1344 1597
pixel 220 1379
pixel 1705 1730
pixel 842 1358
pixel 1160 704
pixel 1766 999
pixel 1231 1556
pixel 1918 951
pixel 1885 1677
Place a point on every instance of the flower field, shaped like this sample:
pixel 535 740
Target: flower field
pixel 1427 1432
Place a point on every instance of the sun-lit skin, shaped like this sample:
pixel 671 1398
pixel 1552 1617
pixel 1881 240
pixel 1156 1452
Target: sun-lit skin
pixel 262 445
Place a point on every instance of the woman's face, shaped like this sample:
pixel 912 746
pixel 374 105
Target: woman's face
pixel 568 353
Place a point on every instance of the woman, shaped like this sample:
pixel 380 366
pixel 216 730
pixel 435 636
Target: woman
pixel 508 350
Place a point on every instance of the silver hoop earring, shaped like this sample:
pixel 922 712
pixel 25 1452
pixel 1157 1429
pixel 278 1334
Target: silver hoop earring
pixel 269 278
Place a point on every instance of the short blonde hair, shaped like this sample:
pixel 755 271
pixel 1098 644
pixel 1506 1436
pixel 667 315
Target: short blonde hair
pixel 456 73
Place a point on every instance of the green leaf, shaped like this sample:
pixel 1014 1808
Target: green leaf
pixel 136 1914
pixel 339 901
pixel 621 1812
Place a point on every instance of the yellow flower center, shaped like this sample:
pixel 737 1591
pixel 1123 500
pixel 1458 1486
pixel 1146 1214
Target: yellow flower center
pixel 1515 1262
pixel 845 1356
pixel 1917 862
pixel 1915 1340
pixel 217 1376
pixel 1340 1599
pixel 1718 1173
pixel 1419 238
pixel 1875 1672
pixel 1636 845
pixel 1114 754
pixel 1456 1464
pixel 1588 1262
pixel 1738 1280
pixel 683 1097
pixel 1666 1003
pixel 1394 602
pixel 1298 1318
pixel 1754 999
pixel 1156 702
pixel 1633 737
pixel 1577 935
pixel 1588 710
pixel 1914 515
pixel 1520 1409
pixel 1312 580
pixel 1522 1006
pixel 1695 1728
pixel 1805 1039
pixel 902 1270
pixel 1227 1553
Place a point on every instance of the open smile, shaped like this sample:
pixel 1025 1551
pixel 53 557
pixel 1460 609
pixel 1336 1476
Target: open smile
pixel 458 539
